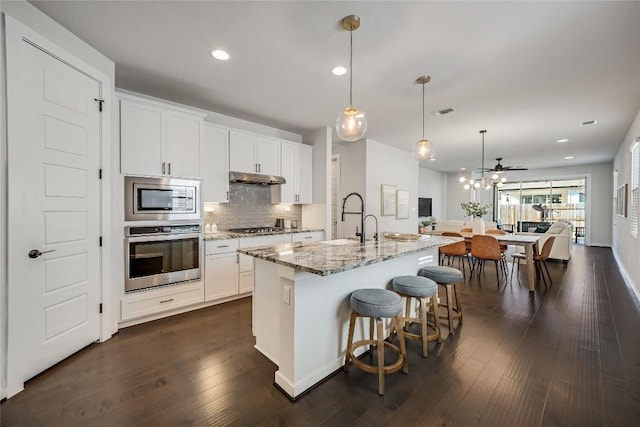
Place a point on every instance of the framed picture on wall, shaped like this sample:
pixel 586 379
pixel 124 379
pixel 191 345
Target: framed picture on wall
pixel 402 204
pixel 621 200
pixel 388 200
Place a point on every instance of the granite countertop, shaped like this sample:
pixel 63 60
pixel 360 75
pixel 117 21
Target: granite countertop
pixel 229 235
pixel 335 256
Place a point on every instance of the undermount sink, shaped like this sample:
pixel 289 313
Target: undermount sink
pixel 338 242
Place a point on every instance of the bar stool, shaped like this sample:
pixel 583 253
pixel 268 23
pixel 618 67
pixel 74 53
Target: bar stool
pixel 376 304
pixel 420 288
pixel 448 277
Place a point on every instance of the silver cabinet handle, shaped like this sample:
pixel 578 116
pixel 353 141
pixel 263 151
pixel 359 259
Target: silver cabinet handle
pixel 166 300
pixel 223 246
pixel 309 237
pixel 227 196
pixel 34 253
pixel 163 169
pixel 169 172
pixel 259 167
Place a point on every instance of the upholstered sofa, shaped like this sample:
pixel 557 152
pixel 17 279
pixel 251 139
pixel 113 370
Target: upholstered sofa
pixel 456 226
pixel 561 248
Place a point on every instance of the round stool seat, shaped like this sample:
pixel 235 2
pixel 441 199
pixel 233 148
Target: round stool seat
pixel 441 274
pixel 415 286
pixel 376 302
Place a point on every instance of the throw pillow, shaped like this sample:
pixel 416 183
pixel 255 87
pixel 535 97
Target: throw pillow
pixel 542 228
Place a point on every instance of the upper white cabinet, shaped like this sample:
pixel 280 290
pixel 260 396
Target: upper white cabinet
pixel 253 154
pixel 214 164
pixel 297 162
pixel 158 139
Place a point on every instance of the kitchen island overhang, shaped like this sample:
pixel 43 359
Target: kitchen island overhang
pixel 301 299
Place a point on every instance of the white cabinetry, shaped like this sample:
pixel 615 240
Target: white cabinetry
pixel 146 303
pixel 159 139
pixel 308 236
pixel 296 167
pixel 221 269
pixel 253 154
pixel 214 164
pixel 246 262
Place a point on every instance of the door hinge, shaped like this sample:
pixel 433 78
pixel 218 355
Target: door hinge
pixel 100 241
pixel 100 309
pixel 99 173
pixel 100 102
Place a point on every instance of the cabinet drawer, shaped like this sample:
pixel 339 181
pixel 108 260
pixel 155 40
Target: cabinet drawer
pixel 311 236
pixel 156 301
pixel 213 247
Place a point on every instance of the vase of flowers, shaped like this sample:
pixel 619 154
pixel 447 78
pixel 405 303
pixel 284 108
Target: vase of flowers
pixel 476 211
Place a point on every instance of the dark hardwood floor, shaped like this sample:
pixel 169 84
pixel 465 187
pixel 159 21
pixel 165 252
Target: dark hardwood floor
pixel 569 356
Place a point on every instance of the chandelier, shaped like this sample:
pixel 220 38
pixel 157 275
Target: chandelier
pixel 483 182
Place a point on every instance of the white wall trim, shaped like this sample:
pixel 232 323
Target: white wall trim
pixel 635 290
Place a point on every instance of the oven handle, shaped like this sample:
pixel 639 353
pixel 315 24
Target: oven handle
pixel 159 237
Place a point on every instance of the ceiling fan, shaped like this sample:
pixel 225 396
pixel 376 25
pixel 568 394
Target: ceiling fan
pixel 500 168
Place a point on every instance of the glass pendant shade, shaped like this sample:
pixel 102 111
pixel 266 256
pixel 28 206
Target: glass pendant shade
pixel 351 124
pixel 424 150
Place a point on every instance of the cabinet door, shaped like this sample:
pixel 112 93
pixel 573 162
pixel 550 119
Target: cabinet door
pixel 214 164
pixel 183 145
pixel 288 167
pixel 220 276
pixel 242 152
pixel 141 137
pixel 268 156
pixel 304 172
pixel 309 236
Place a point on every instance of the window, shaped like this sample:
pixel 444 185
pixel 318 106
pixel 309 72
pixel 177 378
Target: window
pixel 635 187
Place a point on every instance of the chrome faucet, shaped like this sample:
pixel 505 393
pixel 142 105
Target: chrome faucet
pixel 375 236
pixel 361 213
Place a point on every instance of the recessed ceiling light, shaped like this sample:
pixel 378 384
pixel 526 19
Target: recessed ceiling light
pixel 463 169
pixel 563 140
pixel 339 71
pixel 220 54
pixel 588 123
pixel 568 157
pixel 442 112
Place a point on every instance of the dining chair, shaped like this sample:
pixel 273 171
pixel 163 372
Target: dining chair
pixel 539 260
pixel 497 232
pixel 485 247
pixel 467 243
pixel 455 250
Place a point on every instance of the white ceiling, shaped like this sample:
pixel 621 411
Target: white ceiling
pixel 528 72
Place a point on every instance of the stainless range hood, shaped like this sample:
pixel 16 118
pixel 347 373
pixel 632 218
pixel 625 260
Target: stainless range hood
pixel 254 178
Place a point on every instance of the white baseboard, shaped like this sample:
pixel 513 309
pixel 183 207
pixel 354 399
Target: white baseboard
pixel 627 279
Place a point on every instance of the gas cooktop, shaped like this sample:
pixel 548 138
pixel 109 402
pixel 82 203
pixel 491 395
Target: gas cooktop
pixel 254 230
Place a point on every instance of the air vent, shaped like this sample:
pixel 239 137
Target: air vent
pixel 442 112
pixel 588 123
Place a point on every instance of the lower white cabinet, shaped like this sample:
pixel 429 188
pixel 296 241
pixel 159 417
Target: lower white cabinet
pixel 220 269
pixel 153 301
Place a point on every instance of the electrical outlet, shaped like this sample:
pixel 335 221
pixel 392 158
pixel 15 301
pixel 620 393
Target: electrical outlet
pixel 286 295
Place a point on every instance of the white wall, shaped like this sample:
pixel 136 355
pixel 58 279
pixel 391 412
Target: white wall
pixel 391 166
pixel 434 184
pixel 625 246
pixel 599 195
pixel 318 214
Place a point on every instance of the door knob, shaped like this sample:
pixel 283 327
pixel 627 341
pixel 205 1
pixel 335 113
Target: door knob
pixel 34 253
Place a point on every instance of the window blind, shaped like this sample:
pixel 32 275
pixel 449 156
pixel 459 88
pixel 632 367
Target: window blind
pixel 635 187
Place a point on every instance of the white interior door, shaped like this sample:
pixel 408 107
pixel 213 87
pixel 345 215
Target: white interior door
pixel 53 211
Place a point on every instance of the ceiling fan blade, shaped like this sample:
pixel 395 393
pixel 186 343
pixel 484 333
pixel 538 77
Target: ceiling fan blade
pixel 515 168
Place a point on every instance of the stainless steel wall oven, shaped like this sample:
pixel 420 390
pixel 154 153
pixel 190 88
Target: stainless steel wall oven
pixel 160 255
pixel 161 199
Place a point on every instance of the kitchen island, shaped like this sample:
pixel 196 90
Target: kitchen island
pixel 301 299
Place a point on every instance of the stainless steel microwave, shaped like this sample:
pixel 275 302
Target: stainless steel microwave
pixel 161 199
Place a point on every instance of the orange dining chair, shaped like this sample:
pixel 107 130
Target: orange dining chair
pixel 539 260
pixel 468 243
pixel 455 250
pixel 496 232
pixel 485 247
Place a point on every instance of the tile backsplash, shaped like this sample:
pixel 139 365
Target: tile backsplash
pixel 249 206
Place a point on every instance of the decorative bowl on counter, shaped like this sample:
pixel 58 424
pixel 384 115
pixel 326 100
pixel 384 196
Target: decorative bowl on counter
pixel 404 237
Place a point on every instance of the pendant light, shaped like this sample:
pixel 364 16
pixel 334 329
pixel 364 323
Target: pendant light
pixel 486 183
pixel 351 124
pixel 424 147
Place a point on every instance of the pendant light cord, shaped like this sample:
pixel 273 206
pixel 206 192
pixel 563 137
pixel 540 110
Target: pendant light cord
pixel 351 66
pixel 422 110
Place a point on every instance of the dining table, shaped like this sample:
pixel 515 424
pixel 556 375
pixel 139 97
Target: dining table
pixel 530 244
